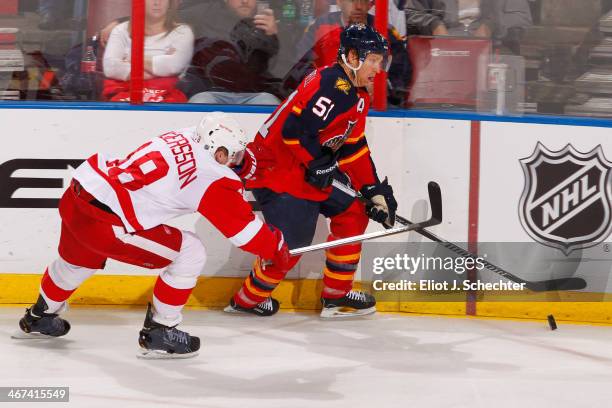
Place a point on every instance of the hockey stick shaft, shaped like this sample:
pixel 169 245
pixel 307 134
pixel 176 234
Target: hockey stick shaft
pixel 536 286
pixel 356 238
pixel 435 200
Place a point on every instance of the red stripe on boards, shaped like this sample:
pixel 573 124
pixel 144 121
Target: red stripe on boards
pixel 474 193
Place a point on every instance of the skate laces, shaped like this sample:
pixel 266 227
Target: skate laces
pixel 177 336
pixel 359 296
pixel 266 304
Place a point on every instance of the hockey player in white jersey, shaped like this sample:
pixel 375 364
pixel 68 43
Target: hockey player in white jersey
pixel 117 209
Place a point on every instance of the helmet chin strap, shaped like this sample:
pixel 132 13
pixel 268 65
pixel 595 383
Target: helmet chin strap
pixel 351 67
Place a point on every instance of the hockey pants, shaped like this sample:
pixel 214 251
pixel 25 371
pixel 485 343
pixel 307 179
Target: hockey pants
pixel 91 233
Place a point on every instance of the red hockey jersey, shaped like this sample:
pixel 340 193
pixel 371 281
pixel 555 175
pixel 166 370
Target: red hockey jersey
pixel 326 110
pixel 172 175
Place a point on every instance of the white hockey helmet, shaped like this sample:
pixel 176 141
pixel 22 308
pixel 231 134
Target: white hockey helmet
pixel 218 129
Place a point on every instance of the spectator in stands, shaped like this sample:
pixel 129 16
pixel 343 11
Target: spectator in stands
pixel 321 40
pixel 234 45
pixel 73 84
pixel 504 21
pixel 168 50
pixel 396 15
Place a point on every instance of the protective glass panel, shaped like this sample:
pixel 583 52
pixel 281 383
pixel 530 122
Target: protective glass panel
pixel 52 50
pixel 257 52
pixel 545 57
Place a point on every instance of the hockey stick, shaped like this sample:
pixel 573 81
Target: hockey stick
pixel 536 286
pixel 435 201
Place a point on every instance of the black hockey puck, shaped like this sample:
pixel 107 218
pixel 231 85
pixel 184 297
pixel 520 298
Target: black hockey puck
pixel 552 323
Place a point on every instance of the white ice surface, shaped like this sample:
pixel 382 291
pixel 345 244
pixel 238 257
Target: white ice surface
pixel 295 360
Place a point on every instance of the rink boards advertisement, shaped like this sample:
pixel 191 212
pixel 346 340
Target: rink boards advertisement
pixel 532 195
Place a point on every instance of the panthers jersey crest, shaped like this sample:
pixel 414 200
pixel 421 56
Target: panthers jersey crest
pixel 343 85
pixel 336 142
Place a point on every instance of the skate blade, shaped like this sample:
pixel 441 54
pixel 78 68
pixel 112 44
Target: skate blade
pixel 345 313
pixel 146 354
pixel 230 309
pixel 21 335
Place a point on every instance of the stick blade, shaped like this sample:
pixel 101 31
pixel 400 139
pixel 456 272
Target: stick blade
pixel 435 200
pixel 557 284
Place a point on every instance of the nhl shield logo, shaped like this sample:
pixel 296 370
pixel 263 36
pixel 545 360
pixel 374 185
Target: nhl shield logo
pixel 567 196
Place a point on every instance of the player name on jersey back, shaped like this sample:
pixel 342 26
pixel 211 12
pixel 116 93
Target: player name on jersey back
pixel 165 177
pixel 181 148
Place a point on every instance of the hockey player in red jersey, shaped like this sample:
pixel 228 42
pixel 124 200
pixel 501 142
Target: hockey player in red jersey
pixel 315 136
pixel 118 208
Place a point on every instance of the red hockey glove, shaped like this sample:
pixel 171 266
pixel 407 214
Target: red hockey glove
pixel 256 160
pixel 281 257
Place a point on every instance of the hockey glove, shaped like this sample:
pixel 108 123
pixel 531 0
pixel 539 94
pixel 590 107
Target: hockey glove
pixel 281 257
pixel 381 206
pixel 320 171
pixel 256 160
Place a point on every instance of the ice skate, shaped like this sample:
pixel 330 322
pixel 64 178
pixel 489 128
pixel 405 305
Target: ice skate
pixel 266 308
pixel 37 324
pixel 354 303
pixel 162 342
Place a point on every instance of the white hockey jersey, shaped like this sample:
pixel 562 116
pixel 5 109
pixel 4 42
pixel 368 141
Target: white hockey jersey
pixel 172 175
